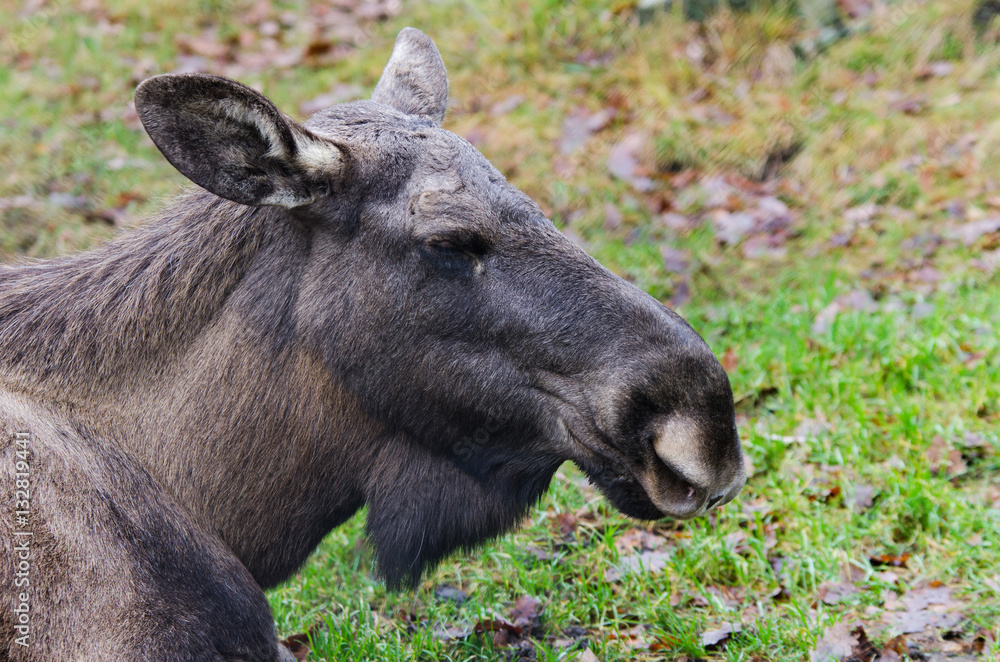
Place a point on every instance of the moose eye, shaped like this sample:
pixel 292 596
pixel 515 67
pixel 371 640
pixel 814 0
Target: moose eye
pixel 449 255
pixel 445 248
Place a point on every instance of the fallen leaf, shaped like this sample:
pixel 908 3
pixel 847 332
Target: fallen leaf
pixel 623 162
pixel 451 593
pixel 910 105
pixel 731 227
pixel 917 621
pixel 340 93
pixel 640 539
pixel 674 260
pixel 579 125
pixel 539 553
pixel 588 656
pixel 836 644
pixel 501 629
pixel 969 233
pixel 299 644
pixel 727 596
pixel 452 633
pixel 863 650
pixel 894 561
pixel 832 593
pixel 943 457
pixel 566 523
pixel 923 608
pixel 635 638
pixel 862 497
pixel 859 300
pixel 736 542
pixel 714 638
pixel 730 360
pixel 936 69
pixel 507 105
pixel 861 214
pixel 645 562
pixel 764 246
pixel 526 612
pixel 612 216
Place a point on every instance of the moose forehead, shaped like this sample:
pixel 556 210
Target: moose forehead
pixel 436 174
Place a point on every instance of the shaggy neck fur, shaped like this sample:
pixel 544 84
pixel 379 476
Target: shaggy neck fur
pixel 78 327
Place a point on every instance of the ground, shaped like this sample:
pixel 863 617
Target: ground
pixel 828 218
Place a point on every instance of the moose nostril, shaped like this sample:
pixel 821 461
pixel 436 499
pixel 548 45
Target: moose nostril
pixel 714 500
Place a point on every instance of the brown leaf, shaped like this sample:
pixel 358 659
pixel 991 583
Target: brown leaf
pixel 452 633
pixel 930 606
pixel 765 246
pixel 730 596
pixel 496 625
pixel 731 227
pixel 729 360
pixel 863 650
pixel 882 560
pixel 837 643
pixel 566 523
pixel 860 300
pixel 711 639
pixel 943 457
pixel 674 260
pixel 831 593
pixel 623 162
pixel 638 539
pixel 856 8
pixel 507 105
pixel 340 93
pixel 934 69
pixel 206 44
pixel 665 642
pixel 450 593
pixel 736 541
pixel 612 216
pixel 910 105
pixel 862 497
pixel 645 562
pixel 588 656
pixel 539 553
pixel 635 638
pixel 526 612
pixel 298 645
pixel 579 125
pixel 969 233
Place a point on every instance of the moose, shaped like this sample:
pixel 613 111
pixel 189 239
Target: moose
pixel 355 310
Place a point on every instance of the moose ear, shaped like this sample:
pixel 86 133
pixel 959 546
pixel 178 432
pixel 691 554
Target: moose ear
pixel 231 140
pixel 414 81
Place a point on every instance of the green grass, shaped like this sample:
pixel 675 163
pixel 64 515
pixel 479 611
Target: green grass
pixel 822 410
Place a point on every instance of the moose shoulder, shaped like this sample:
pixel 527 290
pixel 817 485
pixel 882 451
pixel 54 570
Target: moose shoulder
pixel 355 310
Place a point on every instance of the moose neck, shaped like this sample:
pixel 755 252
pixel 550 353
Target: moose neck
pixel 178 342
pixel 82 328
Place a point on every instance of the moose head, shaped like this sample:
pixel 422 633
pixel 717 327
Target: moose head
pixel 357 310
pixel 488 345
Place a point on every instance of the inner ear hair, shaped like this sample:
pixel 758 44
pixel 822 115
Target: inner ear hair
pixel 232 141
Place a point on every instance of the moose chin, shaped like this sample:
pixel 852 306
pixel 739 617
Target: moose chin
pixel 356 310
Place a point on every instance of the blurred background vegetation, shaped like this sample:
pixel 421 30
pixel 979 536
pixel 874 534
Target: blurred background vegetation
pixel 816 187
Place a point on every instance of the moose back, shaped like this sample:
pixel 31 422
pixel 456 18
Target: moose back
pixel 357 310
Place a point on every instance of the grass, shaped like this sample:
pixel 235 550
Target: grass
pixel 865 401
